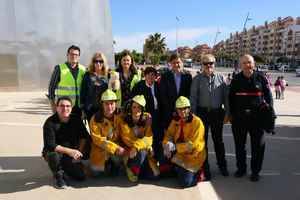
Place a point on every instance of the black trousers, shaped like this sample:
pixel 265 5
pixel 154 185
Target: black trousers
pixel 213 119
pixel 240 131
pixel 158 135
pixel 59 164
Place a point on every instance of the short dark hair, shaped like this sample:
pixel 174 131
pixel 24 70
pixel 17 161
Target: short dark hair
pixel 149 70
pixel 173 57
pixel 73 47
pixel 62 99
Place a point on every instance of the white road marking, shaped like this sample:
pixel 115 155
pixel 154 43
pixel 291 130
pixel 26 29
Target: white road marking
pixel 11 170
pixel 270 173
pixel 274 137
pixel 227 154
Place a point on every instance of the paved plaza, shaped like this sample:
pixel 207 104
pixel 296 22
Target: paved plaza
pixel 24 175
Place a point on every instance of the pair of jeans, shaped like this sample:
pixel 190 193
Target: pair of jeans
pixel 186 178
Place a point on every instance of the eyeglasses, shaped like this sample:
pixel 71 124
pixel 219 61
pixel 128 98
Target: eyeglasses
pixel 74 54
pixel 98 61
pixel 208 63
pixel 65 106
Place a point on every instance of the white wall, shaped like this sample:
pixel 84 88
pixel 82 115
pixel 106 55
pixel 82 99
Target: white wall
pixel 39 32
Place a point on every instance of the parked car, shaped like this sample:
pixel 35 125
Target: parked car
pixel 262 68
pixel 284 68
pixel 188 63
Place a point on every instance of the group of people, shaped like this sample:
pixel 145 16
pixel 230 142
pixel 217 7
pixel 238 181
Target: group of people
pixel 280 85
pixel 151 127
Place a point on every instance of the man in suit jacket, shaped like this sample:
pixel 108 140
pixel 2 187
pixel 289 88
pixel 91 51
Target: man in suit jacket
pixel 173 84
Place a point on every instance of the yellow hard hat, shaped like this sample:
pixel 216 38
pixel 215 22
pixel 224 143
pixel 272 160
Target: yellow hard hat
pixel 182 102
pixel 139 99
pixel 108 95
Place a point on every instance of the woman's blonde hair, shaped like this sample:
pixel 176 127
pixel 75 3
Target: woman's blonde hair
pixel 104 70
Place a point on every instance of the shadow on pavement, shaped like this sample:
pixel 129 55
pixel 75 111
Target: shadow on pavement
pixel 27 173
pixel 280 175
pixel 22 174
pixel 36 106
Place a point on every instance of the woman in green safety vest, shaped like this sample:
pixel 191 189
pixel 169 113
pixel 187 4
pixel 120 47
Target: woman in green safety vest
pixel 128 76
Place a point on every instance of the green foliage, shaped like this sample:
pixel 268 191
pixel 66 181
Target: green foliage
pixel 155 59
pixel 155 48
pixel 137 57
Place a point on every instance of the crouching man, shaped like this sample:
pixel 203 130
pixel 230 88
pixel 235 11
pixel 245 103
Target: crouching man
pixel 65 137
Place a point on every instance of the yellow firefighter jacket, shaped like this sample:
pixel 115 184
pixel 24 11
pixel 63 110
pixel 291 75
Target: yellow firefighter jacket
pixel 105 140
pixel 190 152
pixel 140 138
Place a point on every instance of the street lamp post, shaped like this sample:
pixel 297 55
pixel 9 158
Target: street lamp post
pixel 177 21
pixel 242 34
pixel 215 40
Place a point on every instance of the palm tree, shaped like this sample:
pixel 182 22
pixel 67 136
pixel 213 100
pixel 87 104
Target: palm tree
pixel 155 46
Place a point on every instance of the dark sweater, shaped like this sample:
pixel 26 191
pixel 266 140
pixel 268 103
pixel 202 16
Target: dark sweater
pixel 66 134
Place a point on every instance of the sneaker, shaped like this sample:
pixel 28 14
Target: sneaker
pixel 133 178
pixel 240 173
pixel 254 177
pixel 59 183
pixel 224 171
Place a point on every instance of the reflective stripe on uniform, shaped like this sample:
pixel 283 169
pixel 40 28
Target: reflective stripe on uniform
pixel 249 94
pixel 66 88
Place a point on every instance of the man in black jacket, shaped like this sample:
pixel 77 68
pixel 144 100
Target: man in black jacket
pixel 173 84
pixel 65 137
pixel 248 92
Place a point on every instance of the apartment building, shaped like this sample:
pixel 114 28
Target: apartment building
pixel 272 42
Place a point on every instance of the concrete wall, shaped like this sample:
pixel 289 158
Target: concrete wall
pixel 37 33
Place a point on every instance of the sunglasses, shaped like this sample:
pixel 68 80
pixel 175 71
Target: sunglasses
pixel 208 63
pixel 98 61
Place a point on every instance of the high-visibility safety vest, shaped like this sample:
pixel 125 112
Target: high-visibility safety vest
pixel 68 86
pixel 135 79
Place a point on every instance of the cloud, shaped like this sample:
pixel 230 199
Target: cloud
pixel 186 36
pixel 134 41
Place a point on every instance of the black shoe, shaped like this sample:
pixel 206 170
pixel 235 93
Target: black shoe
pixel 240 173
pixel 59 183
pixel 207 176
pixel 224 171
pixel 254 177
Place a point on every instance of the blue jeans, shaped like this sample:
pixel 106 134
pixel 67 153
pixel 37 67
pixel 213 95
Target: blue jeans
pixel 185 177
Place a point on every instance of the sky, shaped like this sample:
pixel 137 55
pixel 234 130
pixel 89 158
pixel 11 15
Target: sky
pixel 197 21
